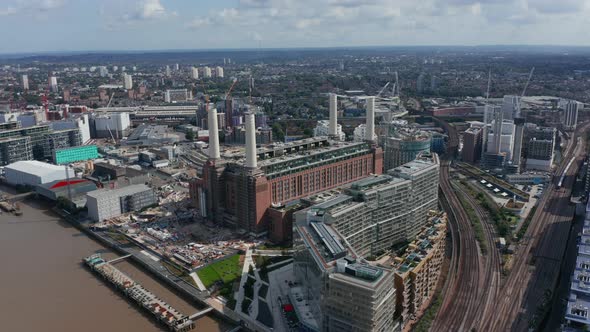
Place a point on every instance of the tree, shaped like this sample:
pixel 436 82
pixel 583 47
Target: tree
pixel 307 132
pixel 277 132
pixel 190 135
pixel 32 99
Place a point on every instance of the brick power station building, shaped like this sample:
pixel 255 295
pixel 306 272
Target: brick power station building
pixel 242 190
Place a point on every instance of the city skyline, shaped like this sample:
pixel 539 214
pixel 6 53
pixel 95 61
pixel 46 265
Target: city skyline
pixel 227 24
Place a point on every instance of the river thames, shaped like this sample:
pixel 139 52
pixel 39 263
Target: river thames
pixel 45 287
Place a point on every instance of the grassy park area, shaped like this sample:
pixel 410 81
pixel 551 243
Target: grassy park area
pixel 226 270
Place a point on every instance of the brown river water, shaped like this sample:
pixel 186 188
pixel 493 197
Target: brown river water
pixel 44 287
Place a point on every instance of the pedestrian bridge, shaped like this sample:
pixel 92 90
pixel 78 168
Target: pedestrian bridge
pixel 200 313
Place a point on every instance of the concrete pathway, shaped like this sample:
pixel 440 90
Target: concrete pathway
pixel 240 294
pixel 198 281
pixel 250 317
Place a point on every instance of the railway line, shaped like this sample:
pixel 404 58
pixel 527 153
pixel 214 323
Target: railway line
pixel 457 311
pixel 473 281
pixel 491 281
pixel 538 258
pixel 475 297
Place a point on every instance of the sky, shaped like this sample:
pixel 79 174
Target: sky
pixel 87 25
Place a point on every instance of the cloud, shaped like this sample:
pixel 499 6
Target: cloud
pixel 199 22
pixel 307 22
pixel 557 7
pixel 33 7
pixel 8 11
pixel 352 3
pixel 255 36
pixel 255 3
pixel 47 5
pixel 150 10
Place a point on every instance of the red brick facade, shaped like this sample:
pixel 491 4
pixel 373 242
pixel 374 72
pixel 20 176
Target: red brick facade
pixel 247 197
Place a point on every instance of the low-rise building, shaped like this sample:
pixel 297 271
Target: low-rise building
pixel 74 190
pixel 151 135
pixel 33 172
pixel 178 95
pixel 528 178
pixel 108 203
pixel 75 154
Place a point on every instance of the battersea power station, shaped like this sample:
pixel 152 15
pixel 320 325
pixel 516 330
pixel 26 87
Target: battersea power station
pixel 259 190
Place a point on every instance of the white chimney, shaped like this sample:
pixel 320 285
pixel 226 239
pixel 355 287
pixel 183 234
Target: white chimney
pixel 213 134
pixel 333 131
pixel 250 141
pixel 370 132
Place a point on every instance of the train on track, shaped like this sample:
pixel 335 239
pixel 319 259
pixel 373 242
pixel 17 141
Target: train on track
pixel 562 177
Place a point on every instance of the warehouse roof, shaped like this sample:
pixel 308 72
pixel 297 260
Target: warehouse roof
pixel 34 167
pixel 129 190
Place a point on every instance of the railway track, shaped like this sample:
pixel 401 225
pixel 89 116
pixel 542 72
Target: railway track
pixel 463 291
pixel 524 287
pixel 492 267
pixel 463 288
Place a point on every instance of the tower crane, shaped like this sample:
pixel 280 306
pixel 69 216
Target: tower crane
pixel 526 85
pixel 527 82
pixel 231 88
pixel 383 89
pixel 489 84
pixel 395 89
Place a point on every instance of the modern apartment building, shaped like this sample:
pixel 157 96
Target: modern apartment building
pixel 127 81
pixel 418 270
pixel 540 148
pixel 334 237
pixel 62 139
pixel 35 142
pixel 570 109
pixel 341 290
pixel 219 72
pixel 404 145
pixel 577 313
pixel 472 144
pixel 380 211
pixel 13 149
pixel 25 82
pixel 207 72
pixel 322 129
pixel 194 73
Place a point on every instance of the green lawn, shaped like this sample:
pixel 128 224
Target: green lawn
pixel 226 270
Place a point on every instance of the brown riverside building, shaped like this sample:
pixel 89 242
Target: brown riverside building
pixel 234 194
pixel 240 189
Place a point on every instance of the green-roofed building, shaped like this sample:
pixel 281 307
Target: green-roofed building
pixel 75 154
